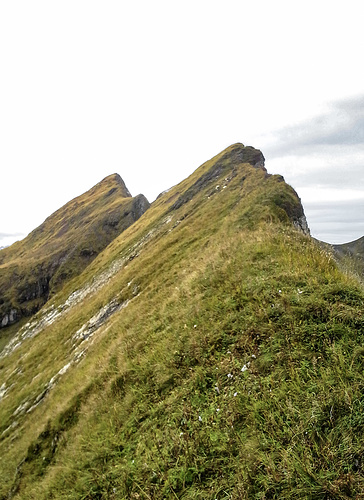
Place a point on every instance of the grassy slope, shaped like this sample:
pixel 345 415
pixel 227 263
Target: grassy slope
pixel 234 372
pixel 64 245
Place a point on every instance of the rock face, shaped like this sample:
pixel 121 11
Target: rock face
pixel 33 269
pixel 301 223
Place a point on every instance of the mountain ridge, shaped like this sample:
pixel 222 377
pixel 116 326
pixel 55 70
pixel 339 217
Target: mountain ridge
pixel 63 245
pixel 212 350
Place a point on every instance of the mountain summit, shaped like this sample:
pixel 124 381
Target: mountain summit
pixel 115 183
pixel 212 350
pixel 231 163
pixel 33 269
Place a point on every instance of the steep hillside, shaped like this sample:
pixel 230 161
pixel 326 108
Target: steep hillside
pixel 212 350
pixel 33 269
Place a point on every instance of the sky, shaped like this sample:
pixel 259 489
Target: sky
pixel 151 90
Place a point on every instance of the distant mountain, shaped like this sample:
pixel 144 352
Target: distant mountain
pixel 351 255
pixel 354 248
pixel 212 350
pixel 33 269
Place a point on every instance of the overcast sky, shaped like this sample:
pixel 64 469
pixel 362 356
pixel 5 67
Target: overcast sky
pixel 152 89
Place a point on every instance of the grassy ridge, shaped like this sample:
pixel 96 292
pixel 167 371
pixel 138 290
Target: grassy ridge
pixel 234 372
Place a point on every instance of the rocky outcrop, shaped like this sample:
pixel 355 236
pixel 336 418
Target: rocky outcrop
pixel 9 318
pixel 301 224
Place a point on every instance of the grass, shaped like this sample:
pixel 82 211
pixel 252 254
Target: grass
pixel 235 372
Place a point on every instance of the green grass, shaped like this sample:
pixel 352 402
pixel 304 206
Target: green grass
pixel 235 372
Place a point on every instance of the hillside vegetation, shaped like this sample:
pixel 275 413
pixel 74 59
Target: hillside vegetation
pixel 33 269
pixel 212 351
